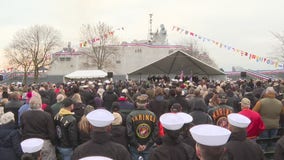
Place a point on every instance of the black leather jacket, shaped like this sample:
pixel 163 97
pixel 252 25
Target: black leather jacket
pixel 66 129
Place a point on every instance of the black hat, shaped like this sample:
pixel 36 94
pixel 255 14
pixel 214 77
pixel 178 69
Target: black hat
pixel 67 102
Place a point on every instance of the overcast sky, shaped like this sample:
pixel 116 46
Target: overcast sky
pixel 242 24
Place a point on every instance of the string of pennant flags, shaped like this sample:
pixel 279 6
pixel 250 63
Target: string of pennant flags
pixel 85 43
pixel 250 56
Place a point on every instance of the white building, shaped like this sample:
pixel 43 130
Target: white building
pixel 130 57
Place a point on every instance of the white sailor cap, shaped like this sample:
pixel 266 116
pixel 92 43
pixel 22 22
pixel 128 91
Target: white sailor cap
pixel 238 120
pixel 210 135
pixel 186 117
pixel 171 121
pixel 100 117
pixel 32 145
pixel 107 81
pixel 95 158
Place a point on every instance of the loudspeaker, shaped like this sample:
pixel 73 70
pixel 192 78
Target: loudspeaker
pixel 243 74
pixel 109 74
pixel 1 77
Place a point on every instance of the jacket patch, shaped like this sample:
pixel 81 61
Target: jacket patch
pixel 143 130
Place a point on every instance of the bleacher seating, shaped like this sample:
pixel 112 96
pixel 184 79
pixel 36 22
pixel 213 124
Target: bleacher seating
pixel 270 143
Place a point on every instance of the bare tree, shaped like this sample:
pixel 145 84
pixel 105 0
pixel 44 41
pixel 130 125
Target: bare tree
pixel 193 49
pixel 19 59
pixel 32 47
pixel 100 47
pixel 280 49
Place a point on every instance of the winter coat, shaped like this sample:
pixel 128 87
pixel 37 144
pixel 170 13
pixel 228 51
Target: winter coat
pixel 173 149
pixel 159 106
pixel 200 117
pixel 79 111
pixel 37 124
pixel 183 102
pixel 13 106
pixel 240 148
pixel 10 140
pixel 109 97
pixel 141 127
pixel 119 135
pixel 101 145
pixel 125 107
pixel 66 128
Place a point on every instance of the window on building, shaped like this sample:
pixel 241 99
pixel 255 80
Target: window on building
pixel 65 58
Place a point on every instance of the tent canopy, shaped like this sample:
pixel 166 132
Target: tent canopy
pixel 175 63
pixel 86 74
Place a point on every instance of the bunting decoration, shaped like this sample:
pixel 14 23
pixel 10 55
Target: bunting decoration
pixel 250 56
pixel 97 39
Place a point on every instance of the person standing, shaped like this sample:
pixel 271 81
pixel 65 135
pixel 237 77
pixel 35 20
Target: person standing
pixel 13 105
pixel 109 96
pixel 270 110
pixel 179 98
pixel 210 140
pixel 10 138
pixel 57 106
pixel 66 128
pixel 219 113
pixel 125 107
pixel 142 129
pixel 172 147
pixel 238 147
pixel 35 123
pixel 100 143
pixel 118 131
pixel 256 126
pixel 32 149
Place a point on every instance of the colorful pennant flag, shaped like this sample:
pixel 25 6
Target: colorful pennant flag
pixel 221 45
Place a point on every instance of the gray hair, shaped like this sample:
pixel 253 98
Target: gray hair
pixel 36 102
pixel 270 90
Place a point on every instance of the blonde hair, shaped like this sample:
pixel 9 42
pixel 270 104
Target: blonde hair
pixel 77 98
pixel 84 125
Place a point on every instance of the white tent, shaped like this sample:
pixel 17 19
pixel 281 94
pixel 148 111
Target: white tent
pixel 86 74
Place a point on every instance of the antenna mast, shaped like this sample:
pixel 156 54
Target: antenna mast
pixel 150 34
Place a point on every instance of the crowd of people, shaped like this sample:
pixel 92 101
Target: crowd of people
pixel 155 119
